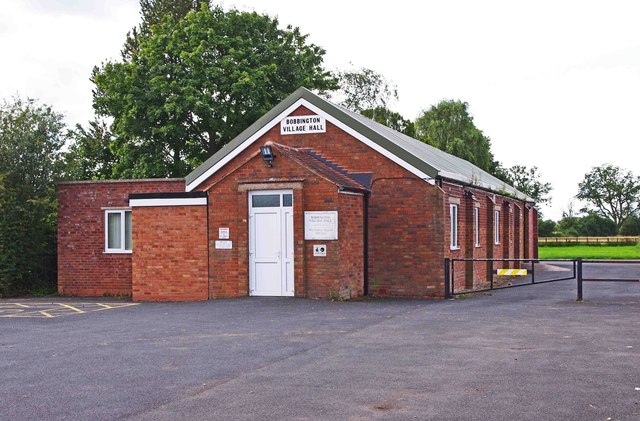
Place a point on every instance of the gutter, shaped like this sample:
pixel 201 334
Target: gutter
pixel 441 178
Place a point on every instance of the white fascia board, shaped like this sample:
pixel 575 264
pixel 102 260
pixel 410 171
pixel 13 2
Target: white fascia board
pixel 302 102
pixel 205 175
pixel 353 193
pixel 187 201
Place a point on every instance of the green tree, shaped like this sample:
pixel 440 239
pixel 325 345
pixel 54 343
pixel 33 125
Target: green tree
pixel 194 83
pixel 152 12
pixel 449 126
pixel 631 226
pixel 528 181
pixel 499 171
pixel 611 192
pixel 568 226
pixel 391 119
pixel 590 225
pixel 31 137
pixel 369 93
pixel 546 228
pixel 90 155
pixel 365 89
pixel 593 225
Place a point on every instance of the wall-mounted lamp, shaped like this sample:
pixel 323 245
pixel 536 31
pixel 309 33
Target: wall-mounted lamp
pixel 267 155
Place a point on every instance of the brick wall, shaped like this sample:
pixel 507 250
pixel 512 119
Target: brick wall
pixel 351 245
pixel 405 216
pixel 84 268
pixel 169 259
pixel 533 232
pixel 406 238
pixel 454 195
pixel 513 242
pixel 482 250
pixel 408 226
pixel 314 277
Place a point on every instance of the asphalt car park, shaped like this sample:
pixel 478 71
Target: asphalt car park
pixel 527 353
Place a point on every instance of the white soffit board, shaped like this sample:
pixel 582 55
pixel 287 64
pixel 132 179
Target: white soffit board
pixel 187 201
pixel 302 102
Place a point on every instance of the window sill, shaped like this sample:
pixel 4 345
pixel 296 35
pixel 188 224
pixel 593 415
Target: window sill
pixel 477 245
pixel 454 248
pixel 496 244
pixel 117 252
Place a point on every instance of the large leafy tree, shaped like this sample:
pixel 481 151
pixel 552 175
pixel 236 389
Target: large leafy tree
pixel 193 83
pixel 390 119
pixel 611 192
pixel 631 226
pixel 365 89
pixel 590 225
pixel 369 93
pixel 89 155
pixel 449 126
pixel 546 227
pixel 529 182
pixel 153 12
pixel 31 138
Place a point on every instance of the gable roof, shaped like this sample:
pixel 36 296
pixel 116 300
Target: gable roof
pixel 423 160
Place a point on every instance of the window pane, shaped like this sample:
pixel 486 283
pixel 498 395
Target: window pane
pixel 114 231
pixel 477 226
pixel 265 201
pixel 287 199
pixel 127 230
pixel 453 210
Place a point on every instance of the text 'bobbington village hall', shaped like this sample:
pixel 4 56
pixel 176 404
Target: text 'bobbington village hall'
pixel 312 200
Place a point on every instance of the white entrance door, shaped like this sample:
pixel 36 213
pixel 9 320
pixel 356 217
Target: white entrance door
pixel 271 242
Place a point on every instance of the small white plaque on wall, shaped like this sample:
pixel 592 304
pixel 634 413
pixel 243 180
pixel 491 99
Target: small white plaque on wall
pixel 223 233
pixel 320 250
pixel 224 244
pixel 303 124
pixel 321 225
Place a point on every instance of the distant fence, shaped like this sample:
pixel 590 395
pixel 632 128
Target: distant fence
pixel 587 240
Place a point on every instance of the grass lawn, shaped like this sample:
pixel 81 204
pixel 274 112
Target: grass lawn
pixel 589 252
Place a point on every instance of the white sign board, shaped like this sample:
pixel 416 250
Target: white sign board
pixel 320 250
pixel 223 233
pixel 224 244
pixel 321 225
pixel 303 124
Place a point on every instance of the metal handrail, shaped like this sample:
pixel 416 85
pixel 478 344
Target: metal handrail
pixel 577 273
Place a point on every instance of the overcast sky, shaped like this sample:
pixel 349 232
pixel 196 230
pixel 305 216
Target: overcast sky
pixel 555 84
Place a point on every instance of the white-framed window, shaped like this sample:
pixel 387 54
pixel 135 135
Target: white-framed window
pixel 117 231
pixel 496 227
pixel 476 225
pixel 453 217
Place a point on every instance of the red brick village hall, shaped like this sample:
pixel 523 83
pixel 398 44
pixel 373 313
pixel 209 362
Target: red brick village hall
pixel 312 200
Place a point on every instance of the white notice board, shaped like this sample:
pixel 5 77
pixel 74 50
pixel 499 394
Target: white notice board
pixel 321 225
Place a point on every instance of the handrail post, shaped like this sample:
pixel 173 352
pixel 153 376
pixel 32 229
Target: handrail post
pixel 533 272
pixel 447 284
pixel 579 277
